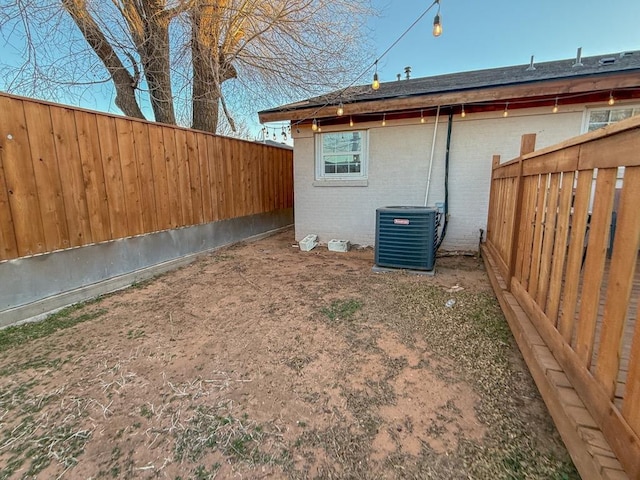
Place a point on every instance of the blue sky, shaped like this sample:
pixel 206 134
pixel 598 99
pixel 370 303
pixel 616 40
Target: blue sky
pixel 493 33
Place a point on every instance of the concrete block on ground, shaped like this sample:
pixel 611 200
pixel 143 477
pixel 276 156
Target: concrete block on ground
pixel 339 245
pixel 308 243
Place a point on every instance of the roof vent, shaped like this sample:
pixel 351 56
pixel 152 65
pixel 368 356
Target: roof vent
pixel 607 61
pixel 578 59
pixel 626 54
pixel 399 76
pixel 531 67
pixel 407 72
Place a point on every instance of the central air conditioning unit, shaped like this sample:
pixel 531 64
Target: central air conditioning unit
pixel 406 237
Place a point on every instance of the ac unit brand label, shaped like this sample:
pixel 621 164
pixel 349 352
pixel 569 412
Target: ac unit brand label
pixel 401 221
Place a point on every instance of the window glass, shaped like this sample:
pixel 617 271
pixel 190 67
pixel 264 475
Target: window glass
pixel 341 154
pixel 617 115
pixel 603 117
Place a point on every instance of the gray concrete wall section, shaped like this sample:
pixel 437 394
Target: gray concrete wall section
pixel 33 286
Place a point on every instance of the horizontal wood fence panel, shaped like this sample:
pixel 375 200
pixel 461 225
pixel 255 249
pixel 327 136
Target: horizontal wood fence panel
pixel 510 170
pixel 70 177
pixel 622 149
pixel 554 162
pixel 566 239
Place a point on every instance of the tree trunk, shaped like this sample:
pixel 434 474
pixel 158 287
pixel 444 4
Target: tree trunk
pixel 154 54
pixel 124 83
pixel 209 67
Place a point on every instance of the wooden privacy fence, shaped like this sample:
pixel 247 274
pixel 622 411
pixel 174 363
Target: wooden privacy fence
pixel 70 177
pixel 551 219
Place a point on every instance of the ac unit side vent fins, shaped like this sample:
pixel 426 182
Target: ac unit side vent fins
pixel 406 237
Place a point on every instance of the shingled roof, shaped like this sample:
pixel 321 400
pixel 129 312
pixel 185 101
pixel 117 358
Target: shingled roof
pixel 519 75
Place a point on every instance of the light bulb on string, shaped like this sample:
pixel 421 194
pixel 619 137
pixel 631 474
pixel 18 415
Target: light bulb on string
pixel 422 119
pixel 463 113
pixel 376 82
pixel 437 22
pixel 314 125
pixel 384 119
pixel 612 100
pixel 506 110
pixel 350 121
pixel 340 111
pixel 555 107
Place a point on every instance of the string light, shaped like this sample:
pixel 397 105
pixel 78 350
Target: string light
pixel 376 82
pixel 419 113
pixel 340 111
pixel 437 22
pixel 384 119
pixel 314 125
pixel 375 85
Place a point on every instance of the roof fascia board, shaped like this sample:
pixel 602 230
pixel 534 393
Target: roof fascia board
pixel 576 85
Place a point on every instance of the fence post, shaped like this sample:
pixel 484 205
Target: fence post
pixel 527 145
pixel 491 216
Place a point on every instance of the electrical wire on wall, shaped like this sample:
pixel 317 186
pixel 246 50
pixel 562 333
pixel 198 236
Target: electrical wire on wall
pixel 446 184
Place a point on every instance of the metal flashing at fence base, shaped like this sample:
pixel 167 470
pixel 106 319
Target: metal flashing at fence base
pixel 35 286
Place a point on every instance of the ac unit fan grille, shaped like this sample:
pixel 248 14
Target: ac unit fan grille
pixel 406 237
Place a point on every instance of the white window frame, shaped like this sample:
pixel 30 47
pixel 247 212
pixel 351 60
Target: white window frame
pixel 587 114
pixel 321 176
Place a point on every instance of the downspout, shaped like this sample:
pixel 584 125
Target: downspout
pixel 446 183
pixel 433 148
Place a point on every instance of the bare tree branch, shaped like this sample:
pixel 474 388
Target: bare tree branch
pixel 199 58
pixel 122 80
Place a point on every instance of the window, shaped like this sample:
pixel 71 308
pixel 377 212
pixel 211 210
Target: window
pixel 603 117
pixel 341 155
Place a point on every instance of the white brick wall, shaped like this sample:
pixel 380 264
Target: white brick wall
pixel 398 169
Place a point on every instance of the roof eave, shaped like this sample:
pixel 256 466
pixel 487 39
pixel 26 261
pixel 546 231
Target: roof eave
pixel 565 86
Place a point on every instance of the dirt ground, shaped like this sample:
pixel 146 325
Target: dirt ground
pixel 261 361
